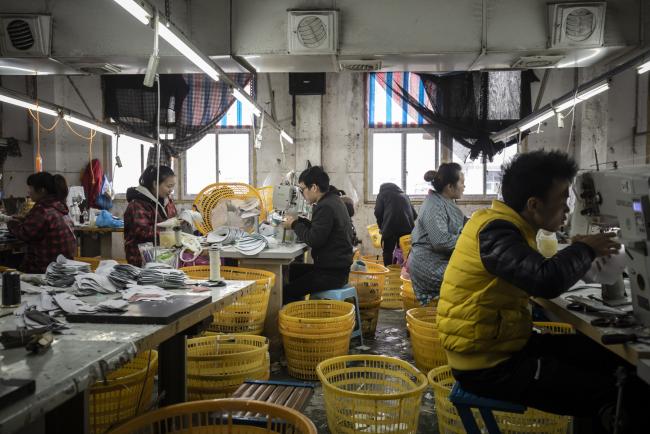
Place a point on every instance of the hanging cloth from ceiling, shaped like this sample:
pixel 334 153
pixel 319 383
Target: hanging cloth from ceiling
pixel 190 106
pixel 469 106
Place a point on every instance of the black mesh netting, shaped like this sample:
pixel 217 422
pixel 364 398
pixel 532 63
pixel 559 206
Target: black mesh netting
pixel 190 106
pixel 470 106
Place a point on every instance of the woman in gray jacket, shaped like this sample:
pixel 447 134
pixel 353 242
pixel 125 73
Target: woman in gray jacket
pixel 436 231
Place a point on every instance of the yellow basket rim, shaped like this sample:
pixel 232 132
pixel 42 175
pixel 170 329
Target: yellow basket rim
pixel 321 336
pixel 369 265
pixel 373 396
pixel 410 316
pixel 412 330
pixel 283 312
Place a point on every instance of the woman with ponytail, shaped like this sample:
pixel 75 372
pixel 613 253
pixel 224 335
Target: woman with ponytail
pixel 47 227
pixel 151 197
pixel 436 231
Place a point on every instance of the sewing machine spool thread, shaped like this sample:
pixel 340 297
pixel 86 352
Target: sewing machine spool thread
pixel 215 264
pixel 10 289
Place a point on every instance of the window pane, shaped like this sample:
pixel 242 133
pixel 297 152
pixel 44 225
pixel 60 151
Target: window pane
pixel 473 171
pixel 386 159
pixel 201 164
pixel 420 157
pixel 130 152
pixel 233 158
pixel 493 174
pixel 238 115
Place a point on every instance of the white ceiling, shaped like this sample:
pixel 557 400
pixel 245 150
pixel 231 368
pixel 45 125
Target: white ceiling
pixel 417 35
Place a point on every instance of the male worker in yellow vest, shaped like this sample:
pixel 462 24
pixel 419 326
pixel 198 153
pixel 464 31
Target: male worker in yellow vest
pixel 484 316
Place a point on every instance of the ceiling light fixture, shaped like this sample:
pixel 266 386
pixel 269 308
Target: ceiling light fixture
pixel 537 120
pixel 89 125
pixel 136 9
pixel 286 136
pixel 246 102
pixel 643 68
pixel 184 47
pixel 582 96
pixel 28 105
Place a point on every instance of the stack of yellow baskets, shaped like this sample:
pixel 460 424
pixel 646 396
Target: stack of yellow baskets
pixel 371 394
pixel 217 365
pixel 409 301
pixel 247 314
pixel 427 351
pixel 125 393
pixel 370 286
pixel 531 421
pixel 374 259
pixel 313 331
pixel 391 299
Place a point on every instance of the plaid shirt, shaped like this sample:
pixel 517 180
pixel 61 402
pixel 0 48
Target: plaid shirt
pixel 47 230
pixel 139 222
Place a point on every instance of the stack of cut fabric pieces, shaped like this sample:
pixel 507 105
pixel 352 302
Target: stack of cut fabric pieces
pixel 62 272
pixel 251 244
pixel 163 277
pixel 226 235
pixel 91 284
pixel 123 275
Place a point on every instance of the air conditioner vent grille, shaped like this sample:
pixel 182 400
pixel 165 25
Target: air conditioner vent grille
pixel 20 34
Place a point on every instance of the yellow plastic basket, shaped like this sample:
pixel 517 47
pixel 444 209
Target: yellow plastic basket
pixel 391 298
pixel 317 317
pixel 365 393
pixel 126 392
pixel 217 365
pixel 93 261
pixel 213 194
pixel 373 259
pixel 246 314
pixel 305 352
pixel 427 350
pixel 405 245
pixel 423 320
pixel 555 328
pixel 369 313
pixel 369 284
pixel 409 301
pixel 532 421
pixel 375 235
pixel 221 416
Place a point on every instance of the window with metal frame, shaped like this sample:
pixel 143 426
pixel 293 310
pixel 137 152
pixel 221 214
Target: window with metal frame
pixel 133 155
pixel 482 177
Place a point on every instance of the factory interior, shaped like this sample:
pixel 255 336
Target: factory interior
pixel 324 216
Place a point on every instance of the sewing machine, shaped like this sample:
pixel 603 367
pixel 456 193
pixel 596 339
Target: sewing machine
pixel 287 200
pixel 619 200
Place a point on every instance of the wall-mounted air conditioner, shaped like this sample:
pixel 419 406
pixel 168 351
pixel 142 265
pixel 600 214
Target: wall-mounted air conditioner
pixel 576 25
pixel 312 32
pixel 25 35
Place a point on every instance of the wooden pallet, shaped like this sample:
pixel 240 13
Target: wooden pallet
pixel 290 394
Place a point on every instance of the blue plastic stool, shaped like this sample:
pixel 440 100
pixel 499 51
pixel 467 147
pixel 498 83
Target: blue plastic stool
pixel 465 401
pixel 342 294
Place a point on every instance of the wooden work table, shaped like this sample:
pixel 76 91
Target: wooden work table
pixel 80 355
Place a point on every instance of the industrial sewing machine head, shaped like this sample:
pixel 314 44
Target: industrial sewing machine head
pixel 619 200
pixel 288 200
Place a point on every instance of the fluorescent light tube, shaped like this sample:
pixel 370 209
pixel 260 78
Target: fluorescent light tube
pixel 27 105
pixel 135 9
pixel 643 68
pixel 583 96
pixel 88 125
pixel 193 56
pixel 242 99
pixel 286 136
pixel 538 120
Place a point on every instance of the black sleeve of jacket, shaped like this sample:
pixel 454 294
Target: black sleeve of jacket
pixel 317 232
pixel 379 210
pixel 506 254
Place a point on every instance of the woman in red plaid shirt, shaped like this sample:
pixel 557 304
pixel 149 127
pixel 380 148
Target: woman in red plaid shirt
pixel 145 201
pixel 47 227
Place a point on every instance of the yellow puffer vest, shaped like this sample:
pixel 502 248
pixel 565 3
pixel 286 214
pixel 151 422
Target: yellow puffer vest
pixel 482 319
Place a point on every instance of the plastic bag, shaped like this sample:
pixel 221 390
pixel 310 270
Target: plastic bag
pixel 106 220
pixel 150 253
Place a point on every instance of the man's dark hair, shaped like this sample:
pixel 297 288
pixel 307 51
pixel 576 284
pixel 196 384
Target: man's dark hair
pixel 532 174
pixel 315 175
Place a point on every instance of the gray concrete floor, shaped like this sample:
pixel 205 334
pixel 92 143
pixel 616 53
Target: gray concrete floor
pixel 391 339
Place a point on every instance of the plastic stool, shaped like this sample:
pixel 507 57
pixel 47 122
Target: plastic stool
pixel 465 401
pixel 342 294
